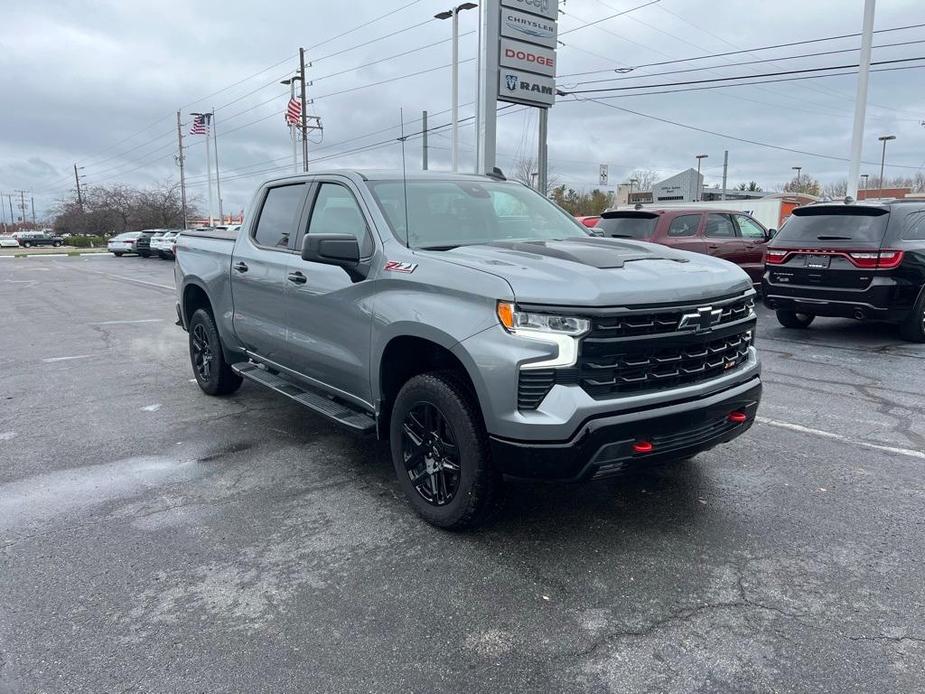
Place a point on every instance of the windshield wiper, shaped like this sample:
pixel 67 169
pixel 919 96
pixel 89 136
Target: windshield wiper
pixel 437 248
pixel 834 238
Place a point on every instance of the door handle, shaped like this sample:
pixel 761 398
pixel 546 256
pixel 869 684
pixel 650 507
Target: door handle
pixel 712 248
pixel 240 267
pixel 297 278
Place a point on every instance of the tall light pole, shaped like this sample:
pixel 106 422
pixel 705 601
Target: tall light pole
pixel 865 177
pixel 860 101
pixel 798 169
pixel 699 184
pixel 884 139
pixel 454 15
pixel 629 198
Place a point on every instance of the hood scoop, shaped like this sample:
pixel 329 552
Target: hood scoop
pixel 598 253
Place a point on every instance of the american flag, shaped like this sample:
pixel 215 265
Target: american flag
pixel 200 124
pixel 293 112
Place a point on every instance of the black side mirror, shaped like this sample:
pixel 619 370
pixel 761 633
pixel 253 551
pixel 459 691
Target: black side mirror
pixel 771 233
pixel 342 250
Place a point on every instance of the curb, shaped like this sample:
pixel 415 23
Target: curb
pixel 72 254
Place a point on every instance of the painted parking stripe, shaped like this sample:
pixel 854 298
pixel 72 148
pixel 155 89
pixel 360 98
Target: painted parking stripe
pixel 47 255
pixel 838 437
pixel 75 356
pixel 127 322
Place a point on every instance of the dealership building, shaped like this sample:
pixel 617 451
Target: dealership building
pixel 686 186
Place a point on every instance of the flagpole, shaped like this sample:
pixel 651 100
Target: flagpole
pixel 218 180
pixel 209 170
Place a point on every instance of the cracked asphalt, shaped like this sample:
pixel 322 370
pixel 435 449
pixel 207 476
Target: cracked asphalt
pixel 153 539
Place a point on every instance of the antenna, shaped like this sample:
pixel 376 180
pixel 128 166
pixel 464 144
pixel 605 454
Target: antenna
pixel 404 178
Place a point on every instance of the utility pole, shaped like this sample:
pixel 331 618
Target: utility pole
pixel 22 199
pixel 725 170
pixel 860 103
pixel 80 200
pixel 32 200
pixel 304 124
pixel 424 141
pixel 180 159
pixel 884 139
pixel 9 198
pixel 541 163
pixel 218 178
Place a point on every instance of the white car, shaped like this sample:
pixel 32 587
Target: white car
pixel 163 245
pixel 123 243
pixel 8 242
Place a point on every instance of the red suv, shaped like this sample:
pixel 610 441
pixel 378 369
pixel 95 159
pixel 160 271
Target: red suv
pixel 727 234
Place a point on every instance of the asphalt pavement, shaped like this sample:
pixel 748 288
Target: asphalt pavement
pixel 154 539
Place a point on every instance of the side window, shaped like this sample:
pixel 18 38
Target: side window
pixel 336 212
pixel 685 225
pixel 914 227
pixel 279 216
pixel 749 227
pixel 719 226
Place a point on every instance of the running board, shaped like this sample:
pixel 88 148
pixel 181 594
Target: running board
pixel 313 399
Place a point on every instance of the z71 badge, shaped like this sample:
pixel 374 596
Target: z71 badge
pixel 395 266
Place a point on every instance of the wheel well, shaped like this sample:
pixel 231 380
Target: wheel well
pixel 195 297
pixel 405 357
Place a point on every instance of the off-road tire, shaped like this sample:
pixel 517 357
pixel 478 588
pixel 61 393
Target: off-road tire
pixel 793 319
pixel 218 379
pixel 118 255
pixel 479 488
pixel 27 244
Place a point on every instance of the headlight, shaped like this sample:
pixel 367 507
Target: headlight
pixel 562 331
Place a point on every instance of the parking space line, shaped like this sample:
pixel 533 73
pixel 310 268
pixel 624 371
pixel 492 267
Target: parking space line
pixel 76 356
pixel 129 279
pixel 127 322
pixel 47 255
pixel 838 437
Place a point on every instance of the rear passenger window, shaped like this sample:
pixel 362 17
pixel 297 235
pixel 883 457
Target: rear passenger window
pixel 719 226
pixel 914 227
pixel 279 216
pixel 685 225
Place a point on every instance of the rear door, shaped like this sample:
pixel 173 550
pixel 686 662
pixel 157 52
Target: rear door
pixel 258 271
pixel 329 328
pixel 722 238
pixel 683 232
pixel 755 238
pixel 832 246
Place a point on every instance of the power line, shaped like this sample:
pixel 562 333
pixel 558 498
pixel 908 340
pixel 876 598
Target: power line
pixel 726 136
pixel 740 77
pixel 604 19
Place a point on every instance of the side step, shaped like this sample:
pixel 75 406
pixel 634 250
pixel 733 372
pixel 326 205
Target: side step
pixel 313 399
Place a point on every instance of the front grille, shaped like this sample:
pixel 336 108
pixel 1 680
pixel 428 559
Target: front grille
pixel 613 362
pixel 532 386
pixel 663 321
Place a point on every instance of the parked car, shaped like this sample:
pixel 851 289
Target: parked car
pixel 143 242
pixel 589 221
pixel 28 239
pixel 8 242
pixel 474 324
pixel 163 244
pixel 863 261
pixel 123 243
pixel 726 234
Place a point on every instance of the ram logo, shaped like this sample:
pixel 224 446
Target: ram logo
pixel 701 321
pixel 511 82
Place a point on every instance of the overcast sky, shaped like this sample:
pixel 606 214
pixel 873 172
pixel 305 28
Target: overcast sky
pixel 99 83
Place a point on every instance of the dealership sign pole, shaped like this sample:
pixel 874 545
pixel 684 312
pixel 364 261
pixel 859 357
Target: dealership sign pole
pixel 517 65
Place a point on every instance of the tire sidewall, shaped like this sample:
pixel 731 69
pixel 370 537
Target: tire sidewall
pixel 433 390
pixel 204 318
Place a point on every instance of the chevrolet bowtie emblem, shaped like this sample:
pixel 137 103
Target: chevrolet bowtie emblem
pixel 702 320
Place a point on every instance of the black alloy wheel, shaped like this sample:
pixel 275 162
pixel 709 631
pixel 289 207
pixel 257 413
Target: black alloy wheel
pixel 213 373
pixel 203 356
pixel 430 454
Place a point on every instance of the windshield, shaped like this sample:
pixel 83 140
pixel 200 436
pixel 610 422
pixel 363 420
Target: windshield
pixel 446 214
pixel 630 227
pixel 816 226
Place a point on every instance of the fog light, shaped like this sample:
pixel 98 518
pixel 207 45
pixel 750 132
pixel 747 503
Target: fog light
pixel 737 417
pixel 643 447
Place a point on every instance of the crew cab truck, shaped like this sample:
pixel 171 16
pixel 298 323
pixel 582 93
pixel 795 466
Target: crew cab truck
pixel 476 326
pixel 863 260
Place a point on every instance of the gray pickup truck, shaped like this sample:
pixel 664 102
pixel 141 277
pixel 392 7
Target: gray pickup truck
pixel 476 326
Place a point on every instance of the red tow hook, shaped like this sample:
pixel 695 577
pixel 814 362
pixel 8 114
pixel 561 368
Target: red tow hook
pixel 643 447
pixel 737 417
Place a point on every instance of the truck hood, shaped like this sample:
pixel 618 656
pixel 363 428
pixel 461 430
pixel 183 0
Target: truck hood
pixel 601 272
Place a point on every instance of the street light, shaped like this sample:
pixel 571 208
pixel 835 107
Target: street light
pixel 629 198
pixel 292 126
pixel 454 15
pixel 798 169
pixel 884 139
pixel 865 177
pixel 699 184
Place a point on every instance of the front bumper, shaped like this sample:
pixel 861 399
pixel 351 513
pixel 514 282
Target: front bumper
pixel 603 446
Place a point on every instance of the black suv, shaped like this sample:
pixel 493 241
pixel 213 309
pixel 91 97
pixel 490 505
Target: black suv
pixel 143 242
pixel 864 261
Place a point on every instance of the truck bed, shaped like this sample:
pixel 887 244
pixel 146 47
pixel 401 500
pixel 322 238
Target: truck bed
pixel 223 234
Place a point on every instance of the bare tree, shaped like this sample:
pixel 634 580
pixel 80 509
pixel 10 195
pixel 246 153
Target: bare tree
pixel 836 189
pixel 645 179
pixel 525 170
pixel 114 209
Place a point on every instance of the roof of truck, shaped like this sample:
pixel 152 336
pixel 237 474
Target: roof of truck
pixel 386 175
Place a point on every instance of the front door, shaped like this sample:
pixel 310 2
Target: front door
pixel 258 272
pixel 722 238
pixel 328 314
pixel 756 240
